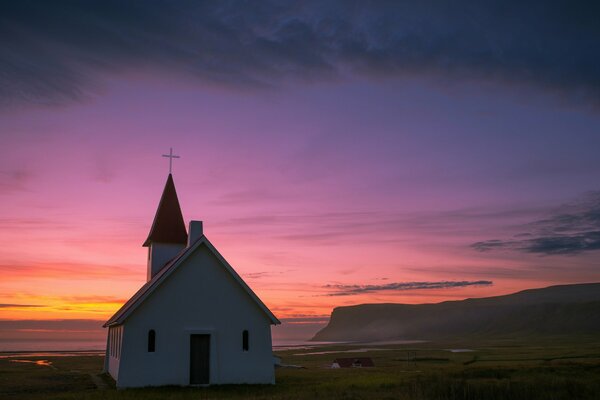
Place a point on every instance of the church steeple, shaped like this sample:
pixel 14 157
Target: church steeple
pixel 167 236
pixel 168 225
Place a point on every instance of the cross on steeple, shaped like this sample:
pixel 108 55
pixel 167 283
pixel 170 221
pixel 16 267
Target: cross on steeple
pixel 170 156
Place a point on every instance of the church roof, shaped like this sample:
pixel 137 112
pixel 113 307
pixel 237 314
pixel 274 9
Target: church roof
pixel 168 225
pixel 145 291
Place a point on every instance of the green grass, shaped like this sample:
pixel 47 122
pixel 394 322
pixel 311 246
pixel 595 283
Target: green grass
pixel 540 369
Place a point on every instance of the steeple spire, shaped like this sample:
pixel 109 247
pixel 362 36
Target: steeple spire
pixel 168 226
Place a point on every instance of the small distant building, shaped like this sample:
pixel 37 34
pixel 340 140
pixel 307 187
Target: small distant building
pixel 195 321
pixel 362 362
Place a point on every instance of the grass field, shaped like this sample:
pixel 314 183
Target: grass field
pixel 502 369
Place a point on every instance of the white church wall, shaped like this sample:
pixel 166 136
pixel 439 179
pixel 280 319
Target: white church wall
pixel 159 254
pixel 201 296
pixel 113 351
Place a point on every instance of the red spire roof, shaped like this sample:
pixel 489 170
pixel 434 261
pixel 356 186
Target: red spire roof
pixel 168 225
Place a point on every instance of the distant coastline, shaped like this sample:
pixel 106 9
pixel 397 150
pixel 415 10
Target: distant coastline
pixel 560 310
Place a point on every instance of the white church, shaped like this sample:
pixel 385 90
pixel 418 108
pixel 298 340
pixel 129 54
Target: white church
pixel 194 321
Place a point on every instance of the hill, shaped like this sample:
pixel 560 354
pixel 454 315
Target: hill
pixel 555 310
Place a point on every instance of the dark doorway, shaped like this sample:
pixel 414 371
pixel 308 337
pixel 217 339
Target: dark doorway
pixel 199 359
pixel 245 341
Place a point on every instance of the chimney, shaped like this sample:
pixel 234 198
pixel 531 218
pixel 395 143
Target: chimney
pixel 195 232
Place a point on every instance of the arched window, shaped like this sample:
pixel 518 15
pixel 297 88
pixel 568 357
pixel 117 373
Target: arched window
pixel 245 341
pixel 151 341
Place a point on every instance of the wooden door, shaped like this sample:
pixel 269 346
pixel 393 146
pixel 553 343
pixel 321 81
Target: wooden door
pixel 199 359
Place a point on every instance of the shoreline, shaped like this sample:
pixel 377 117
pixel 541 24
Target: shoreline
pixel 276 347
pixel 51 353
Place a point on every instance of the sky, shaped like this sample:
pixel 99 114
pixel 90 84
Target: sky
pixel 338 152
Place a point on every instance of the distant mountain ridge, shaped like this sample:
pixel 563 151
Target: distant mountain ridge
pixel 554 310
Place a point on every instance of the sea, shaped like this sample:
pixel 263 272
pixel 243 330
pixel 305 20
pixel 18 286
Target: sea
pixel 50 345
pixel 14 346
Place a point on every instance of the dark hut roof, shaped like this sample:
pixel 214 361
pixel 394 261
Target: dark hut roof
pixel 168 225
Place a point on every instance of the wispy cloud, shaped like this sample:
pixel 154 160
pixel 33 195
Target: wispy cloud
pixel 45 306
pixel 93 299
pixel 15 180
pixel 305 320
pixel 57 52
pixel 257 275
pixel 326 228
pixel 63 270
pixel 572 229
pixel 52 329
pixel 59 324
pixel 265 274
pixel 349 290
pixel 20 305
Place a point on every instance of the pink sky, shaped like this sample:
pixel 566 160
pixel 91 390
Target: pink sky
pixel 301 189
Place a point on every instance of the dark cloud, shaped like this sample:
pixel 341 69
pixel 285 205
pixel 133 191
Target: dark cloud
pixel 57 52
pixel 349 290
pixel 571 229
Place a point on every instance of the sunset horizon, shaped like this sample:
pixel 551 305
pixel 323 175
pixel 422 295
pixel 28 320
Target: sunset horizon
pixel 79 318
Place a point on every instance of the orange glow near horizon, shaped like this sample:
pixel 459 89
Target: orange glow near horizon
pixel 297 277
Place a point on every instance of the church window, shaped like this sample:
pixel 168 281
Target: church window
pixel 151 341
pixel 245 340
